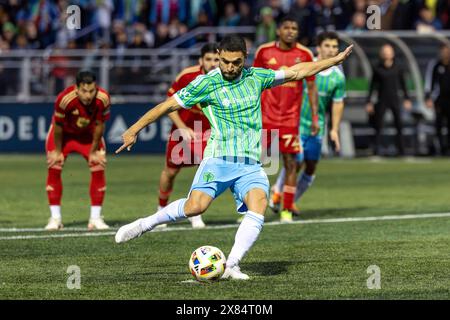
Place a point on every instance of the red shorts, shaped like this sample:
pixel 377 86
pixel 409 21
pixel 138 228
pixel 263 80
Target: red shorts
pixel 288 139
pixel 80 144
pixel 180 153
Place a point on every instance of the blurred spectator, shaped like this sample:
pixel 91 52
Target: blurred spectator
pixel 121 44
pixel 231 17
pixel 358 23
pixel 8 32
pixel 330 16
pixel 245 14
pixel 46 14
pixel 32 36
pixel 266 30
pixel 8 77
pixel 278 10
pixel 304 12
pixel 443 12
pixel 359 6
pixel 437 95
pixel 176 29
pixel 398 14
pixel 163 11
pixel 388 79
pixel 103 17
pixel 138 42
pixel 204 9
pixel 202 21
pixel 427 23
pixel 59 69
pixel 21 43
pixel 162 34
pixel 147 35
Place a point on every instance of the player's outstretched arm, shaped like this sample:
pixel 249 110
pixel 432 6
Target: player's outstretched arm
pixel 129 136
pixel 305 69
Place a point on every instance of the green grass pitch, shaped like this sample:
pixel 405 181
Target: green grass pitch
pixel 298 261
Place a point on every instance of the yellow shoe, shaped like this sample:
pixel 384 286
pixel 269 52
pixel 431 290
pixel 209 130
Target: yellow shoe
pixel 286 216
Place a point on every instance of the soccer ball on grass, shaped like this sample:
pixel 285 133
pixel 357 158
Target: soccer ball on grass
pixel 207 263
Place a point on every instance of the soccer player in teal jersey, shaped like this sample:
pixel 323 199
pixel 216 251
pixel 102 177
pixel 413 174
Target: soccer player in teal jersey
pixel 231 99
pixel 331 87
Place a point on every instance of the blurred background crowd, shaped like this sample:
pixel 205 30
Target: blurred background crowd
pixel 38 24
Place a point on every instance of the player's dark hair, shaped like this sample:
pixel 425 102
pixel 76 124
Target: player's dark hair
pixel 289 17
pixel 233 43
pixel 327 35
pixel 209 48
pixel 85 76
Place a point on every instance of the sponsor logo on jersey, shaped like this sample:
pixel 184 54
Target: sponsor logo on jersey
pixel 272 61
pixel 83 122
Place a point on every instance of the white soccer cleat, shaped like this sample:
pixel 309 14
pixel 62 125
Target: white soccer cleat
pixel 97 224
pixel 129 231
pixel 54 224
pixel 197 222
pixel 234 273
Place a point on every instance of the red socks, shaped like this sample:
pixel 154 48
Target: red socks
pixel 288 197
pixel 54 187
pixel 97 187
pixel 164 197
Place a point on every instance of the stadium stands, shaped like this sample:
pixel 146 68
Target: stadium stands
pixel 137 50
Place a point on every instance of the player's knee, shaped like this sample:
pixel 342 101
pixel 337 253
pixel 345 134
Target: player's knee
pixel 263 202
pixel 194 207
pixel 256 201
pixel 58 167
pixel 290 164
pixel 97 168
pixel 171 173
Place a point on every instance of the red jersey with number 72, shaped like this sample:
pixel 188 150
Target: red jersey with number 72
pixel 281 105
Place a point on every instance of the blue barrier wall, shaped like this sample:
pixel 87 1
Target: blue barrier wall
pixel 23 128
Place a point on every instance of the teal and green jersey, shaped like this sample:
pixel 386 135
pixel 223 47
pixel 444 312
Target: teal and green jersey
pixel 233 109
pixel 331 88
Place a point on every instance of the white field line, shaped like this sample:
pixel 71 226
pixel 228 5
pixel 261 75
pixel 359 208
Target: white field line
pixel 111 232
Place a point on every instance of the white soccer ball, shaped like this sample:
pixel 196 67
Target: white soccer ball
pixel 207 263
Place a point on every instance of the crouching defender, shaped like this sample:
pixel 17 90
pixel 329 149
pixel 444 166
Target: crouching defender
pixel 231 100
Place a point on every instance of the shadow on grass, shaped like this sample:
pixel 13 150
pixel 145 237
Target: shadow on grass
pixel 268 268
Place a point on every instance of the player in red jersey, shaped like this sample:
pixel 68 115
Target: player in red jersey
pixel 281 105
pixel 77 126
pixel 190 130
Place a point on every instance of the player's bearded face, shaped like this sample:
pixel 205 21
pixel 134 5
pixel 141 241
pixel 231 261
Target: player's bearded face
pixel 328 48
pixel 86 92
pixel 231 64
pixel 209 61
